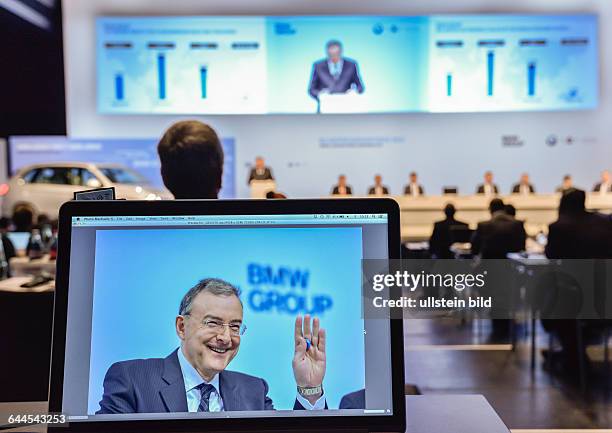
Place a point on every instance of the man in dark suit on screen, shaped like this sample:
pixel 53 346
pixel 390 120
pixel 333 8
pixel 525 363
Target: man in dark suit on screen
pixel 335 74
pixel 194 378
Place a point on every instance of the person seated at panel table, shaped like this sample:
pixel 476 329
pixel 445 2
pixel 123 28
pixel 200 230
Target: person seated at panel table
pixel 605 185
pixel 378 188
pixel 413 188
pixel 191 159
pixel 577 234
pixel 441 237
pixel 260 171
pixel 567 185
pixel 195 378
pixel 488 187
pixel 342 188
pixel 524 187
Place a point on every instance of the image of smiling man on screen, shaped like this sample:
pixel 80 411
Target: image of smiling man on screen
pixel 193 378
pixel 335 74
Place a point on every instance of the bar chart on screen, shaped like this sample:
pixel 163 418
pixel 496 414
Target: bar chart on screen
pixel 519 63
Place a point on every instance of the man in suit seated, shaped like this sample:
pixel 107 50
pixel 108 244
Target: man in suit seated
pixel 378 188
pixel 342 188
pixel 577 234
pixel 194 378
pixel 441 239
pixel 488 187
pixel 524 187
pixel 494 239
pixel 260 171
pixel 413 188
pixel 567 184
pixel 605 185
pixel 335 74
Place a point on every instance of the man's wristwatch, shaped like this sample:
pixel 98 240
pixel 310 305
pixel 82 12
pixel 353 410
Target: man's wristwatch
pixel 308 391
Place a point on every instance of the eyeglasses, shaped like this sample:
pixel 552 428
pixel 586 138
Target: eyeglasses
pixel 235 329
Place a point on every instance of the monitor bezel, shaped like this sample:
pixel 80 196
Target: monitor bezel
pixel 394 422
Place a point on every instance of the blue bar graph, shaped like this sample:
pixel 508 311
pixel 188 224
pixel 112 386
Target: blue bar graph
pixel 203 76
pixel 449 84
pixel 161 75
pixel 531 77
pixel 119 93
pixel 490 72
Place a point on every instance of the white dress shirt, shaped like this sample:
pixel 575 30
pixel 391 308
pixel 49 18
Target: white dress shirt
pixel 415 190
pixel 604 188
pixel 193 380
pixel 335 69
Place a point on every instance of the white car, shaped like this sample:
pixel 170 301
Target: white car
pixel 43 188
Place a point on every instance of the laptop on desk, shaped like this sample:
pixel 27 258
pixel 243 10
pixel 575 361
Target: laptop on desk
pixel 200 315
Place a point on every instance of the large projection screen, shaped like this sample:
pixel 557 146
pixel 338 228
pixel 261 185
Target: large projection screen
pixel 448 145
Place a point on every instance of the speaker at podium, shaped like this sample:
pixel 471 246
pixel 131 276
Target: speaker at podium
pixel 259 188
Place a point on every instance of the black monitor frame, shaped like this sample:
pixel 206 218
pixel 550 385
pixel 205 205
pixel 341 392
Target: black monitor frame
pixel 395 422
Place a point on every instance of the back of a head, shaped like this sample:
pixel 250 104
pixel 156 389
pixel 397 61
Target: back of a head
pixel 191 159
pixel 510 210
pixel 449 210
pixel 496 205
pixel 23 219
pixel 572 202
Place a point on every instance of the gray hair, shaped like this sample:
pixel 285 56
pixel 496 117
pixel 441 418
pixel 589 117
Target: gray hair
pixel 215 286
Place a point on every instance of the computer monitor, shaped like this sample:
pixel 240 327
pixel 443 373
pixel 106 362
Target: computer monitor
pixel 133 338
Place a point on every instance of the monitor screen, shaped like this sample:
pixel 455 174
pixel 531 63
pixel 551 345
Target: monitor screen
pixel 346 64
pixel 136 341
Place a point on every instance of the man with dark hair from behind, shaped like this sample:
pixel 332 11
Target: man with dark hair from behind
pixel 442 235
pixel 577 234
pixel 191 159
pixel 494 239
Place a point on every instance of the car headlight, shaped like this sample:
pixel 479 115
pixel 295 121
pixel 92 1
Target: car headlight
pixel 151 196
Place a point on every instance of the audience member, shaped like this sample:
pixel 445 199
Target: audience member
pixel 441 237
pixel 605 185
pixel 494 239
pixel 23 218
pixel 510 210
pixel 378 188
pixel 567 185
pixel 577 234
pixel 191 159
pixel 342 188
pixel 414 188
pixel 488 187
pixel 500 235
pixel 7 244
pixel 524 187
pixel 260 171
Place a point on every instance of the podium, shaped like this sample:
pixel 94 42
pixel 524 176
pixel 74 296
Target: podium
pixel 259 188
pixel 350 102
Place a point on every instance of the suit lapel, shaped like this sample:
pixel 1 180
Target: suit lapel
pixel 173 394
pixel 229 393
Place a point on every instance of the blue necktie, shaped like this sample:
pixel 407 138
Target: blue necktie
pixel 205 389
